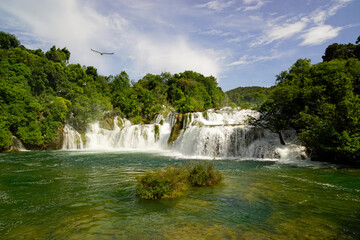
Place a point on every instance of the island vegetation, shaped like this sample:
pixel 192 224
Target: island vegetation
pixel 171 182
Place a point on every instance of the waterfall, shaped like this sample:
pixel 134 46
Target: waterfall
pixel 16 143
pixel 72 139
pixel 128 136
pixel 227 141
pixel 211 134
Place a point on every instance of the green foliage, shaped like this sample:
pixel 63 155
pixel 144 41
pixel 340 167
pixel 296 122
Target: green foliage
pixel 136 120
pixel 176 129
pixel 58 55
pixel 248 97
pixel 162 183
pixel 8 41
pixel 42 89
pixel 322 103
pixel 156 132
pixel 172 182
pixel 204 174
pixel 342 51
pixel 31 134
pixel 5 136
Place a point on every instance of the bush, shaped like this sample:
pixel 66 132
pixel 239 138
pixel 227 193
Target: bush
pixel 204 175
pixel 172 182
pixel 163 183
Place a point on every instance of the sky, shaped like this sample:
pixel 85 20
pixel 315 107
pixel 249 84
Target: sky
pixel 240 42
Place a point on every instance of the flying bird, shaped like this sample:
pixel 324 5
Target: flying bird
pixel 101 53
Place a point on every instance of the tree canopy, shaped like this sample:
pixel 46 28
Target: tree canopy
pixel 322 102
pixel 248 97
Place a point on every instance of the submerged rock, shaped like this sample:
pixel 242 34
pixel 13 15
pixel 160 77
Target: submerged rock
pixel 14 150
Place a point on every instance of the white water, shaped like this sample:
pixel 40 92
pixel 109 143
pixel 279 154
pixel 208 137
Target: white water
pixel 214 134
pixel 16 143
pixel 128 136
pixel 72 139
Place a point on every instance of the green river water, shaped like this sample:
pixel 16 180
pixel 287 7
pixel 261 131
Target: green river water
pixel 91 195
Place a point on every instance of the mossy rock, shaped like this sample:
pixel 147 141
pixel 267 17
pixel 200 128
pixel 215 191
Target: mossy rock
pixel 205 114
pixel 120 122
pixel 197 123
pixel 176 129
pixel 14 150
pixel 83 138
pixel 107 124
pixel 157 132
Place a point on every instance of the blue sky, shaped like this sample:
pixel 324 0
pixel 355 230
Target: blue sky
pixel 240 42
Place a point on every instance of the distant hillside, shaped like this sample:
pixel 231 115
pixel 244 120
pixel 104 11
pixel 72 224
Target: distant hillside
pixel 248 97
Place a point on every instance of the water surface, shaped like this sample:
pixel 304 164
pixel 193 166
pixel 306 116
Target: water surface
pixel 91 195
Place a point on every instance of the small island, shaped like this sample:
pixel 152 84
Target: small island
pixel 171 182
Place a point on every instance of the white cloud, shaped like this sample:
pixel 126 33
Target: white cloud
pixel 310 27
pixel 79 27
pixel 252 5
pixel 215 32
pixel 216 5
pixel 320 15
pixel 174 55
pixel 320 34
pixel 276 32
pixel 246 59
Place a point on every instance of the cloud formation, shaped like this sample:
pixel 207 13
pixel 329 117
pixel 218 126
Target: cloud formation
pixel 319 34
pixel 246 59
pixel 251 5
pixel 311 27
pixel 80 27
pixel 280 32
pixel 213 37
pixel 216 5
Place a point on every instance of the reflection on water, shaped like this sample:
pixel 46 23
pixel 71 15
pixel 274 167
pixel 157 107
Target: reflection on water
pixel 83 195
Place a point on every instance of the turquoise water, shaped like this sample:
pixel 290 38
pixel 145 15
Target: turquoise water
pixel 91 195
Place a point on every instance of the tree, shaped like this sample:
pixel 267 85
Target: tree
pixel 8 41
pixel 342 51
pixel 322 103
pixel 5 136
pixel 58 55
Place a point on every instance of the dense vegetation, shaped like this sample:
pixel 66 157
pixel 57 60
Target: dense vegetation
pixel 322 102
pixel 248 97
pixel 172 182
pixel 40 91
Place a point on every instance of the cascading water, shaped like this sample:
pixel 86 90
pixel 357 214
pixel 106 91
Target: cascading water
pixel 72 139
pixel 212 134
pixel 227 141
pixel 16 143
pixel 128 136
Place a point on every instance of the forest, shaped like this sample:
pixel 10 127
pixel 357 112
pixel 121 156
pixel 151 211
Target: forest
pixel 40 92
pixel 248 97
pixel 322 103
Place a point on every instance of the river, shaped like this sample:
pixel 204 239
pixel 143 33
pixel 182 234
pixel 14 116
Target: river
pixel 87 194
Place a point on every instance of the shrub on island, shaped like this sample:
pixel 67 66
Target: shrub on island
pixel 204 175
pixel 162 183
pixel 171 182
